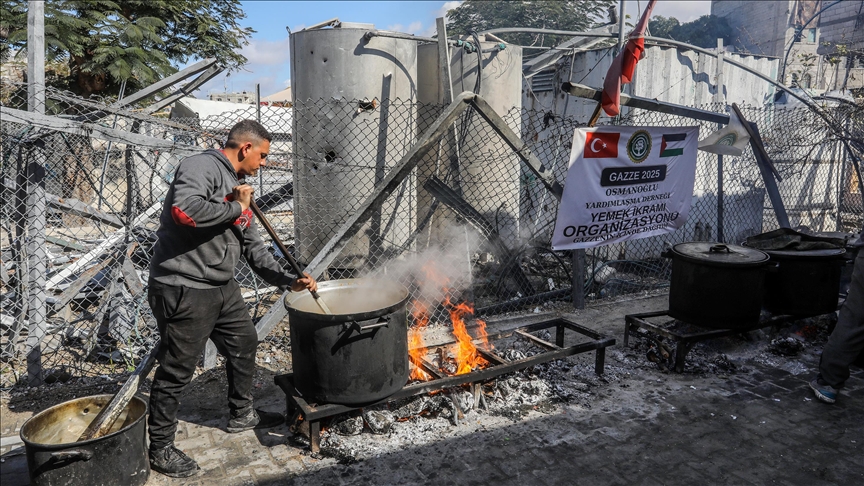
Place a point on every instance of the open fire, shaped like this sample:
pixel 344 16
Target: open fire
pixel 464 351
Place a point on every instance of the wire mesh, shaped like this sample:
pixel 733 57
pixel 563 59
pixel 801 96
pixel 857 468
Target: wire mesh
pixel 471 223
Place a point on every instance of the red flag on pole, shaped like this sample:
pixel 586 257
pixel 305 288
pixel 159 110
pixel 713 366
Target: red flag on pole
pixel 624 65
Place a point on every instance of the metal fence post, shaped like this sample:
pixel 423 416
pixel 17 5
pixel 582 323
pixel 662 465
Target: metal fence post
pixel 35 216
pixel 579 279
pixel 719 97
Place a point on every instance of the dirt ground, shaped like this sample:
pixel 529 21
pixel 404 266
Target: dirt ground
pixel 632 380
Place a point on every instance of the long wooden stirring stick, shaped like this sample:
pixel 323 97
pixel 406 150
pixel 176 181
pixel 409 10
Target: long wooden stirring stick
pixel 291 260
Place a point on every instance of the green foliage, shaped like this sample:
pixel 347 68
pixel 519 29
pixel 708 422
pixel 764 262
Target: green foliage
pixel 660 26
pixel 702 32
pixel 575 15
pixel 105 42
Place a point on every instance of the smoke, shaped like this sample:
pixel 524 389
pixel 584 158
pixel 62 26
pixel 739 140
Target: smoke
pixel 439 272
pixel 433 275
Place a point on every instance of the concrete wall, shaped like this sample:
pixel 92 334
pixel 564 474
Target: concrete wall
pixel 842 25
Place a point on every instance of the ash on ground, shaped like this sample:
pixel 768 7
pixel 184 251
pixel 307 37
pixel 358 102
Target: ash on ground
pixel 785 346
pixel 539 389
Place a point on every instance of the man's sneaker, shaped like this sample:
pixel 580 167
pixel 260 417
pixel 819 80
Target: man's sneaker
pixel 255 419
pixel 824 392
pixel 172 462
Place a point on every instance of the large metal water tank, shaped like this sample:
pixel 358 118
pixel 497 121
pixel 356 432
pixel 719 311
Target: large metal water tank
pixel 487 173
pixel 354 117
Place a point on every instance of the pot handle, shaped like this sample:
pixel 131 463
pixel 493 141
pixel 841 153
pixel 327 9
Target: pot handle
pixel 382 322
pixel 719 248
pixel 72 455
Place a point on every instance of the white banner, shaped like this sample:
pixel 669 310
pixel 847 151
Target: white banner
pixel 625 183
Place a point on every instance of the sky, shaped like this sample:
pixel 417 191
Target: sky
pixel 268 49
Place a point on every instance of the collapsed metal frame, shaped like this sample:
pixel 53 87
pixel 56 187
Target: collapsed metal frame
pixel 306 417
pixel 39 304
pixel 684 341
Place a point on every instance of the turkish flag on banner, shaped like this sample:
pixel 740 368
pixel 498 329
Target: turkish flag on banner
pixel 600 145
pixel 624 65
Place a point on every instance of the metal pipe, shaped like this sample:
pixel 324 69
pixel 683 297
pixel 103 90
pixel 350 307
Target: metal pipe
pixel 621 25
pixel 494 38
pixel 108 152
pixel 531 30
pixel 588 92
pixel 258 119
pixel 396 35
pixel 720 195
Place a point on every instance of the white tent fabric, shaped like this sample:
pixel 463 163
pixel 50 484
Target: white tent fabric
pixel 223 115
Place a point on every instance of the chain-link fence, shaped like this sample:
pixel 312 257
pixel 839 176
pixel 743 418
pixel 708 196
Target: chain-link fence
pixel 471 223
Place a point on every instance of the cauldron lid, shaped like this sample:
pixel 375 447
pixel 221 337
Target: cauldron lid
pixel 719 254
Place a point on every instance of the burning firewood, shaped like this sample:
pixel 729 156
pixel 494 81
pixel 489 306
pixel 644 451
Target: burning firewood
pixel 379 421
pixel 410 407
pixel 348 425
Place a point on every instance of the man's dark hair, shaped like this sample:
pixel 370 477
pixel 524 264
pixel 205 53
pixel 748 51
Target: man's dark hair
pixel 247 131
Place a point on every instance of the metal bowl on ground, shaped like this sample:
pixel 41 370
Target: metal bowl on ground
pixel 55 458
pixel 716 285
pixel 358 354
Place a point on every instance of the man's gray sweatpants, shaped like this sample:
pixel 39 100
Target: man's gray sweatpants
pixel 847 341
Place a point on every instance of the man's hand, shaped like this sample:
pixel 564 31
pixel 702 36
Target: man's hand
pixel 243 195
pixel 304 283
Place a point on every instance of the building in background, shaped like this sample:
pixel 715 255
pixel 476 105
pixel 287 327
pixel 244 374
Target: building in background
pixel 818 59
pixel 244 97
pixel 280 98
pixel 842 34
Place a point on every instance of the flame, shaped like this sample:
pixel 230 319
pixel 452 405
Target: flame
pixel 416 348
pixel 465 352
pixel 467 357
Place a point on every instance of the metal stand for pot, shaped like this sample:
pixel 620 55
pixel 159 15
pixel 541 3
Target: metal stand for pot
pixel 638 325
pixel 305 417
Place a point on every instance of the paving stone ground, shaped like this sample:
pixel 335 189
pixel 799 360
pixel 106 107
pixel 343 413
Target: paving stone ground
pixel 759 426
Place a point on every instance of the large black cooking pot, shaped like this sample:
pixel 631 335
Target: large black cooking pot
pixel 358 354
pixel 716 285
pixel 55 458
pixel 806 283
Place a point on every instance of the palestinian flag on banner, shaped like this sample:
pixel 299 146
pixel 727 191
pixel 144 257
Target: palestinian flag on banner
pixel 672 144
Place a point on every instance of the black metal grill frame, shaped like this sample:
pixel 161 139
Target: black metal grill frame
pixel 306 417
pixel 638 325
